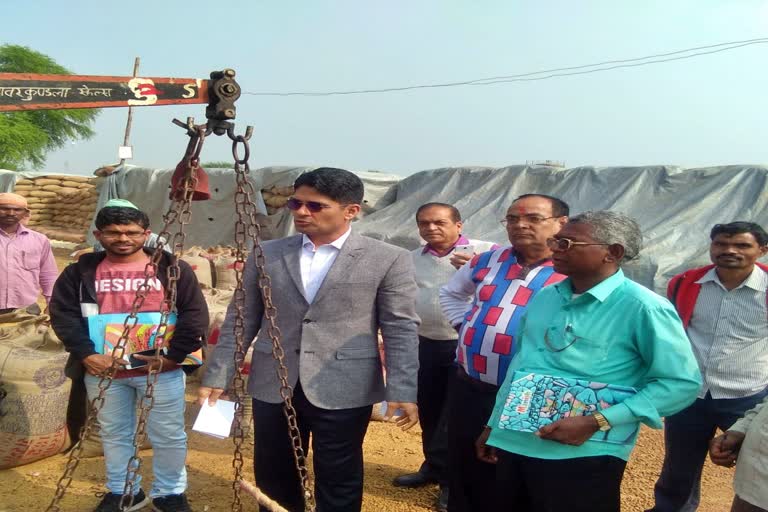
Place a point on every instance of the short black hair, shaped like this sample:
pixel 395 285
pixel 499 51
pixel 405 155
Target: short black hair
pixel 121 215
pixel 455 215
pixel 739 227
pixel 340 185
pixel 559 207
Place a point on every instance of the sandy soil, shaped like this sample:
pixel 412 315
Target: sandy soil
pixel 388 453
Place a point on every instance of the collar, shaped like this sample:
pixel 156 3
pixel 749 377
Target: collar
pixel 21 230
pixel 338 243
pixel 600 291
pixel 462 240
pixel 757 280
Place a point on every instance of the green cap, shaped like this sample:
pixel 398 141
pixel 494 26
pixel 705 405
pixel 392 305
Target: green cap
pixel 120 203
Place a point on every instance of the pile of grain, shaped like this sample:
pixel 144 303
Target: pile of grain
pixel 276 197
pixel 61 206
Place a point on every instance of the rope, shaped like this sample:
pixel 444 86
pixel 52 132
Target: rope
pixel 261 498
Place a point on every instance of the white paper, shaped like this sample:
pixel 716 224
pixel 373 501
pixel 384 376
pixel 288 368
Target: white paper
pixel 125 152
pixel 215 420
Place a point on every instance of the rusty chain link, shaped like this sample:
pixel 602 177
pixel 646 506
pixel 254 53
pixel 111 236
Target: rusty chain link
pixel 247 227
pixel 180 213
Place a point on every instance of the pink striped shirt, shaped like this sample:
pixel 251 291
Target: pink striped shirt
pixel 27 265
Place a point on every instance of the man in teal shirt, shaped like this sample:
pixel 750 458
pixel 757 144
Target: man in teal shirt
pixel 596 326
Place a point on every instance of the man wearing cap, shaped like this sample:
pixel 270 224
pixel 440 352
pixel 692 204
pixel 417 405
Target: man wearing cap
pixel 152 239
pixel 26 260
pixel 107 283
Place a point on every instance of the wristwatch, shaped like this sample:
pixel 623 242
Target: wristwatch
pixel 602 423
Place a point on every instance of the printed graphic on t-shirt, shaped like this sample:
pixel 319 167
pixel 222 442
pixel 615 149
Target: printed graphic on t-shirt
pixel 117 284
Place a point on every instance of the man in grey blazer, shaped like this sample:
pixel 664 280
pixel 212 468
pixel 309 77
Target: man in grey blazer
pixel 333 290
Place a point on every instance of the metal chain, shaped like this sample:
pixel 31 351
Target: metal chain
pixel 181 214
pixel 178 212
pixel 247 227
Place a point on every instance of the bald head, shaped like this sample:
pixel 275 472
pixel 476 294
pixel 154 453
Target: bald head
pixel 9 199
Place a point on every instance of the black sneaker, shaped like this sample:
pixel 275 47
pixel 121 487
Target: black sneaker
pixel 171 503
pixel 111 502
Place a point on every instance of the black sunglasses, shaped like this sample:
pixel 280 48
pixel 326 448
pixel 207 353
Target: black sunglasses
pixel 312 206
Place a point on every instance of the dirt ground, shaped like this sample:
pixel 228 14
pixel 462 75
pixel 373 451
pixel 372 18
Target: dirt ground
pixel 388 453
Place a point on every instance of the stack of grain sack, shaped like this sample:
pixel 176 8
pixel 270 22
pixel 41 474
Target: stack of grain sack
pixel 61 206
pixel 215 271
pixel 33 423
pixel 275 197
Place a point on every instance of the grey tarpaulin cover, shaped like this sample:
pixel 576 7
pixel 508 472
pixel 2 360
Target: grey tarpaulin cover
pixel 7 180
pixel 214 220
pixel 675 207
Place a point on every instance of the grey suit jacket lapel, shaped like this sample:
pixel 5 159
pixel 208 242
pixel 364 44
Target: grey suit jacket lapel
pixel 350 252
pixel 291 256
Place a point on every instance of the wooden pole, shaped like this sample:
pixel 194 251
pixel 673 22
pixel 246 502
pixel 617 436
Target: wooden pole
pixel 261 498
pixel 130 111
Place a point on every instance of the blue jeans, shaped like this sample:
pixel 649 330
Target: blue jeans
pixel 686 440
pixel 165 428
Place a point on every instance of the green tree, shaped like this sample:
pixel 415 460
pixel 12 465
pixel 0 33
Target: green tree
pixel 26 137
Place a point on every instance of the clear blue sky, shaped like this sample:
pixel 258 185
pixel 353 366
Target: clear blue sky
pixel 708 110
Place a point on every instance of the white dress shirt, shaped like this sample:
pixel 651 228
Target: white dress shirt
pixel 316 261
pixel 729 335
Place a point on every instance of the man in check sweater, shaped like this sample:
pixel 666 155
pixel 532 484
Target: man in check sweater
pixel 446 249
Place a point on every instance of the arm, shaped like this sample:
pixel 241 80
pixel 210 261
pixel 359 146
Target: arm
pixel 192 315
pixel 456 295
pixel 672 380
pixel 66 318
pixel 48 271
pixel 396 312
pixel 221 367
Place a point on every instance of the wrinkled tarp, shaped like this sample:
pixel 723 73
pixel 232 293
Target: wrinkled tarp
pixel 213 220
pixel 7 180
pixel 675 207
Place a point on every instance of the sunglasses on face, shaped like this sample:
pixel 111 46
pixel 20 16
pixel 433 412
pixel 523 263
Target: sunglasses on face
pixel 313 206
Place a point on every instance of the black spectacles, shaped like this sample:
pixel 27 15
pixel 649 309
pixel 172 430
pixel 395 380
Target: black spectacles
pixel 133 235
pixel 313 206
pixel 565 244
pixel 528 219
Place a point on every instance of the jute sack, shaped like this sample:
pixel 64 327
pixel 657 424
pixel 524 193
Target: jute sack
pixel 33 414
pixel 225 272
pixel 77 179
pixel 40 182
pixel 25 181
pixel 43 193
pixel 23 188
pixel 202 269
pixel 71 184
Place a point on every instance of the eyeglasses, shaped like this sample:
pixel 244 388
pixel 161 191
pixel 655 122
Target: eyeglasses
pixel 313 206
pixel 528 219
pixel 117 234
pixel 565 244
pixel 563 338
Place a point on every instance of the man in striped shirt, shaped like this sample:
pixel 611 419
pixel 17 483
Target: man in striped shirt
pixel 724 310
pixel 499 283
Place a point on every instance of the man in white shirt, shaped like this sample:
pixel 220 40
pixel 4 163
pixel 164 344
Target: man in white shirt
pixel 446 249
pixel 332 291
pixel 724 310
